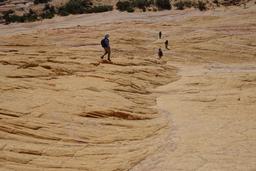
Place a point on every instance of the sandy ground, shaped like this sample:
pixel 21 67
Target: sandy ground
pixel 61 108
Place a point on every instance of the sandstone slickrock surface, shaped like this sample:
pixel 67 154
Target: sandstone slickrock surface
pixel 63 109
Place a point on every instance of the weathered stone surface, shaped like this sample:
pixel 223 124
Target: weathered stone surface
pixel 62 108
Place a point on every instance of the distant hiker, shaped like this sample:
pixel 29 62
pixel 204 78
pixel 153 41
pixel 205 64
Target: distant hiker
pixel 160 35
pixel 106 46
pixel 166 44
pixel 160 53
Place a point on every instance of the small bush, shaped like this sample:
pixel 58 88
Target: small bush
pixel 8 12
pixel 181 5
pixel 48 12
pixel 49 8
pixel 125 6
pixel 188 3
pixel 74 7
pixel 216 2
pixel 142 4
pixel 100 8
pixel 163 4
pixel 41 1
pixel 201 6
pixel 47 15
pixel 130 9
pixel 63 12
pixel 10 17
pixel 31 16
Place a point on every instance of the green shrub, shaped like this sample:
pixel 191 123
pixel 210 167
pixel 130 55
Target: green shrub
pixel 31 16
pixel 47 15
pixel 188 3
pixel 48 12
pixel 125 6
pixel 181 5
pixel 8 12
pixel 201 6
pixel 82 6
pixel 100 8
pixel 41 1
pixel 63 12
pixel 142 4
pixel 130 9
pixel 10 17
pixel 163 4
pixel 217 2
pixel 49 8
pixel 74 7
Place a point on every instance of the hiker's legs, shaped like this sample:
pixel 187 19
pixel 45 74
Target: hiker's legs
pixel 104 53
pixel 109 52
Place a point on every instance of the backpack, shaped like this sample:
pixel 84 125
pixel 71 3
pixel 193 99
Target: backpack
pixel 103 43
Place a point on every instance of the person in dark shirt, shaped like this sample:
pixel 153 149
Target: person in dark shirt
pixel 166 44
pixel 160 35
pixel 160 53
pixel 105 44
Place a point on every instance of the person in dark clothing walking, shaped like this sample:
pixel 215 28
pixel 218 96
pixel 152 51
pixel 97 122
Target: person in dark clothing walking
pixel 166 44
pixel 160 35
pixel 105 44
pixel 160 53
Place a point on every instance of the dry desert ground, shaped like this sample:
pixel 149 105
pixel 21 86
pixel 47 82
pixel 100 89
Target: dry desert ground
pixel 63 109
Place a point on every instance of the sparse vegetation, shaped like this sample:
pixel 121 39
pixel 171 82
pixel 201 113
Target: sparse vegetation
pixel 81 7
pixel 163 4
pixel 41 1
pixel 74 7
pixel 10 17
pixel 48 12
pixel 216 2
pixel 130 10
pixel 201 6
pixel 85 6
pixel 125 6
pixel 181 5
pixel 142 4
pixel 99 8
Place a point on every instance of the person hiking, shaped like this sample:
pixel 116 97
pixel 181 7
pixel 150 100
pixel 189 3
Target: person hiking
pixel 166 44
pixel 160 53
pixel 106 46
pixel 160 35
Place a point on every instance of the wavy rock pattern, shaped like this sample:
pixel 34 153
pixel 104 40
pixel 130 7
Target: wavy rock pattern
pixel 61 108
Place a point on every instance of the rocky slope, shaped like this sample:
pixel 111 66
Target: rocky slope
pixel 61 108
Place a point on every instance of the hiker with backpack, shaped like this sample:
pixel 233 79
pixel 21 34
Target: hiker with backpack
pixel 106 46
